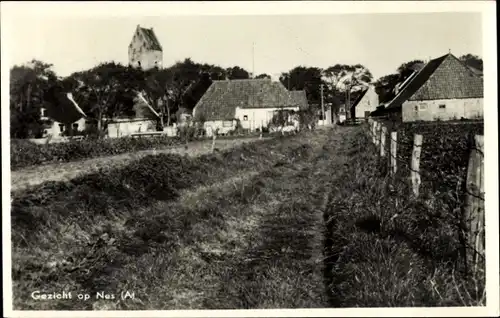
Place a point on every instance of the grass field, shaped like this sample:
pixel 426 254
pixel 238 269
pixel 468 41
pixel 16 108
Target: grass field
pixel 238 229
pixel 388 249
pixel 304 221
pixel 30 176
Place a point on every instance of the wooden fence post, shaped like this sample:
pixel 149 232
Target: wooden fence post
pixel 394 148
pixel 374 132
pixel 383 136
pixel 474 204
pixel 213 142
pixel 415 164
pixel 377 134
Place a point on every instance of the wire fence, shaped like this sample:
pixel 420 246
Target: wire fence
pixel 465 179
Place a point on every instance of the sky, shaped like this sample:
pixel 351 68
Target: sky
pixel 261 43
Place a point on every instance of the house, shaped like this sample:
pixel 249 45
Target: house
pixel 145 51
pixel 366 103
pixel 327 120
pixel 145 120
pixel 444 89
pixel 61 116
pixel 252 102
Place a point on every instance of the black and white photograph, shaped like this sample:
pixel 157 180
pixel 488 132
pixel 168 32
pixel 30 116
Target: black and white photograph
pixel 289 158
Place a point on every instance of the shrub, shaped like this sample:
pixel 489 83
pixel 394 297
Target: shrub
pixel 186 133
pixel 24 153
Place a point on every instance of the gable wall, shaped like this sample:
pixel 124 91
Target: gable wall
pixel 368 103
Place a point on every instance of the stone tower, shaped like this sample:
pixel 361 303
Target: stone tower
pixel 145 50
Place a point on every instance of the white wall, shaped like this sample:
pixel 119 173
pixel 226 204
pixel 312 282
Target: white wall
pixel 429 110
pixel 126 128
pixel 56 131
pixel 328 118
pixel 223 126
pixel 257 117
pixel 368 103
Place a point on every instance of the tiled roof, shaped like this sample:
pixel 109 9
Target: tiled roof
pixel 151 40
pixel 476 71
pixel 222 97
pixel 300 98
pixel 442 78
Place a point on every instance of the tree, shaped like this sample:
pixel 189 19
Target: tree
pixel 237 72
pixel 345 82
pixel 262 76
pixel 304 78
pixel 388 86
pixel 196 91
pixel 29 84
pixel 384 87
pixel 158 92
pixel 106 90
pixel 216 73
pixel 408 68
pixel 473 61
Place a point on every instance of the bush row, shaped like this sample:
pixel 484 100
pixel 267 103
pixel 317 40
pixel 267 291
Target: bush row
pixel 24 153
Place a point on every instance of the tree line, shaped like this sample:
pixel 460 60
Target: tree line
pixel 109 89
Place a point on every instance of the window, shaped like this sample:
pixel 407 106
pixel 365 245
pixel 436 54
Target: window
pixel 75 126
pixel 416 108
pixel 442 106
pixel 245 117
pixel 423 106
pixel 61 127
pixel 44 112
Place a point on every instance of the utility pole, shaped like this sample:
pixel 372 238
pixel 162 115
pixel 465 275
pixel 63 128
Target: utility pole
pixel 322 105
pixel 253 74
pixel 253 59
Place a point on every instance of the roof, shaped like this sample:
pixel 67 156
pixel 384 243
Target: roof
pixel 300 98
pixel 475 71
pixel 445 77
pixel 151 40
pixel 222 97
pixel 143 109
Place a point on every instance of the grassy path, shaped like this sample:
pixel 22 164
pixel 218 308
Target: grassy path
pixel 24 178
pixel 261 246
pixel 253 238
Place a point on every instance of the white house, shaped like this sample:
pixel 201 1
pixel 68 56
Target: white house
pixel 366 103
pixel 145 120
pixel 66 109
pixel 251 101
pixel 444 89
